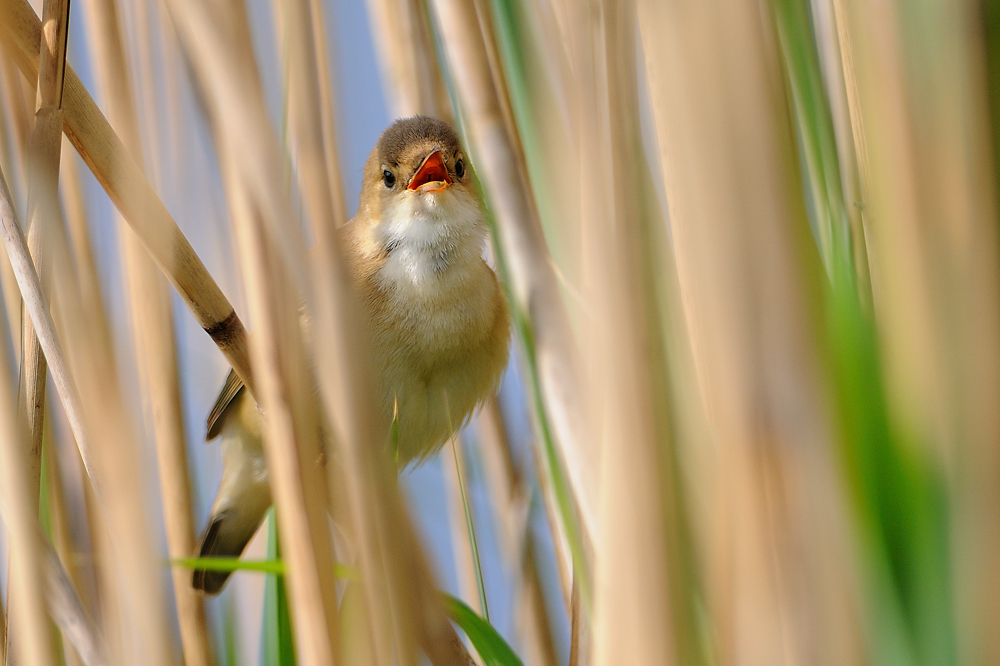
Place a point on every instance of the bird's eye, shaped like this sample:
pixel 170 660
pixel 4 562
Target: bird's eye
pixel 460 168
pixel 388 178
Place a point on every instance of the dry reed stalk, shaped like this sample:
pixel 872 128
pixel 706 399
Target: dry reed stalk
pixel 534 287
pixel 153 334
pixel 62 539
pixel 18 107
pixel 132 194
pixel 76 550
pixel 778 587
pixel 131 567
pixel 406 56
pixel 310 130
pixel 43 197
pixel 27 584
pixel 69 614
pixel 327 113
pixel 461 541
pixel 75 210
pixel 43 209
pixel 96 408
pixel 3 631
pixel 12 160
pixel 37 307
pixel 511 502
pixel 639 609
pixel 218 41
pixel 82 641
pixel 922 95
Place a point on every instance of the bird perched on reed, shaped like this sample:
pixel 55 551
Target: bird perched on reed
pixel 434 312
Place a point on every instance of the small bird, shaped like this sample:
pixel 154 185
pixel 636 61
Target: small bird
pixel 435 313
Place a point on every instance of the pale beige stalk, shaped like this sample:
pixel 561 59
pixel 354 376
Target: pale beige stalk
pixel 309 132
pixel 406 56
pixel 766 505
pixel 637 591
pixel 62 539
pixel 217 39
pixel 153 335
pixel 923 98
pixel 511 499
pixel 43 209
pixel 12 161
pixel 131 192
pixel 534 284
pixel 328 114
pixel 34 644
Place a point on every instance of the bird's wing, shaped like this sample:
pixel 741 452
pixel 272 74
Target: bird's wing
pixel 230 390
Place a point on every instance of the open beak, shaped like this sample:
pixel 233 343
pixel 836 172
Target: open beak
pixel 432 174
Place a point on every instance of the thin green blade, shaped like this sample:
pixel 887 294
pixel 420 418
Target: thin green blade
pixel 488 643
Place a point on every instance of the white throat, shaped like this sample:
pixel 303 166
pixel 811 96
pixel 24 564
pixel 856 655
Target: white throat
pixel 429 238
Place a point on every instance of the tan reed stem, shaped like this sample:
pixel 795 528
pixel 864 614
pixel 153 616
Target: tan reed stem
pixel 535 288
pixel 34 644
pixel 923 98
pixel 406 58
pixel 511 501
pixel 327 112
pixel 219 43
pixel 768 509
pixel 62 539
pixel 36 306
pixel 153 334
pixel 309 129
pixel 3 628
pixel 43 209
pixel 128 188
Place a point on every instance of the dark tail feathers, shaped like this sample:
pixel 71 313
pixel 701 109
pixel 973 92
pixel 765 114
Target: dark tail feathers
pixel 225 537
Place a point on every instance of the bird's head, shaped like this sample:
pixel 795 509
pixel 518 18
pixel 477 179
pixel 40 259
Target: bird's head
pixel 417 184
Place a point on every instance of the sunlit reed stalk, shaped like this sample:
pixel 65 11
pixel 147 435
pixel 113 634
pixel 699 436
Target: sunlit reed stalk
pixel 3 630
pixel 12 160
pixel 153 335
pixel 748 270
pixel 406 57
pixel 636 581
pixel 18 105
pixel 534 288
pixel 43 174
pixel 62 539
pixel 250 157
pixel 511 500
pixel 96 408
pixel 923 100
pixel 43 209
pixel 307 128
pixel 34 644
pixel 37 307
pixel 69 614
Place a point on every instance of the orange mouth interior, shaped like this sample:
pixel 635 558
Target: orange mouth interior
pixel 432 174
